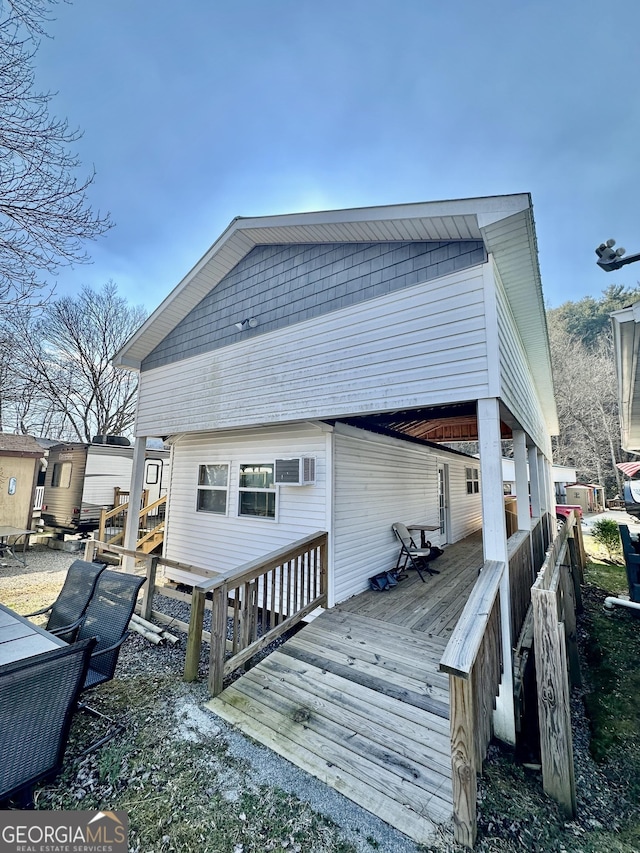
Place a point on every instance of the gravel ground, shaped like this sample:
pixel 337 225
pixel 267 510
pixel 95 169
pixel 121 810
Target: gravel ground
pixel 513 812
pixel 37 585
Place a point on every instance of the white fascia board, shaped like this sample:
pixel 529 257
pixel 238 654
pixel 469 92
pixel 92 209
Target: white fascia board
pixel 121 358
pixel 491 207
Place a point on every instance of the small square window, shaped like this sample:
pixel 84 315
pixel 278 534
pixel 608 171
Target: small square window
pixel 257 493
pixel 213 486
pixel 473 481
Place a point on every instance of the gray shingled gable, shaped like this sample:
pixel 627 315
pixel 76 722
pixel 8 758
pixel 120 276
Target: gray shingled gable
pixel 285 284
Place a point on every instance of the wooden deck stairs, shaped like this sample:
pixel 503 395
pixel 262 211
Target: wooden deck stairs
pixel 151 523
pixel 360 704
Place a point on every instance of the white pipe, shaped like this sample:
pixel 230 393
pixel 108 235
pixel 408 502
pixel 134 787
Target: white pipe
pixel 610 602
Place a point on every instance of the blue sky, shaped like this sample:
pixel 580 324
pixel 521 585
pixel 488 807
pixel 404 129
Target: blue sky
pixel 199 111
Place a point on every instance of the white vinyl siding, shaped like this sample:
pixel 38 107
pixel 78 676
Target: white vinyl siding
pixel 517 388
pixel 221 542
pixel 379 480
pixel 401 350
pixel 107 467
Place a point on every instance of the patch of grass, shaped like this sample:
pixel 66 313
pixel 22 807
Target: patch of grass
pixel 613 656
pixel 607 576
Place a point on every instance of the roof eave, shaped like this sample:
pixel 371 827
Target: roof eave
pixel 438 220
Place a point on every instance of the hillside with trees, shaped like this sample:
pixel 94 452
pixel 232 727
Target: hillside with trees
pixel 585 386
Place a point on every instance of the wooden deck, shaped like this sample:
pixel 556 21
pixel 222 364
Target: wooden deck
pixel 356 698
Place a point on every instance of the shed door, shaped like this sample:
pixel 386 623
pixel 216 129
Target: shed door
pixel 443 502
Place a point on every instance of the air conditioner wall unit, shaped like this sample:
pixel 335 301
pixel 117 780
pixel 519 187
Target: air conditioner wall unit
pixel 296 471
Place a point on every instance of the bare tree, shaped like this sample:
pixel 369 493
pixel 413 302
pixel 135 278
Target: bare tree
pixel 44 211
pixel 65 365
pixel 586 397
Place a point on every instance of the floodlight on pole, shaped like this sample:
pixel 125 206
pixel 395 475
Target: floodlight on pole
pixel 612 259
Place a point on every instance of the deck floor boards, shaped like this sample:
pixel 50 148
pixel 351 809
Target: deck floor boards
pixel 356 697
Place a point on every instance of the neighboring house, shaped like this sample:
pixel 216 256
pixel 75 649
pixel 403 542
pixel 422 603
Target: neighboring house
pixel 626 341
pixel 306 369
pixel 561 475
pixel 82 479
pixel 20 457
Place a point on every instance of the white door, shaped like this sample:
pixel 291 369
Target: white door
pixel 443 502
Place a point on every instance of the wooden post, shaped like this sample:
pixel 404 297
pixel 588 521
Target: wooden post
pixel 218 639
pixel 569 619
pixel 556 744
pixel 89 551
pixel 194 637
pixel 149 589
pixel 464 772
pixel 102 525
pixel 576 570
pixel 323 568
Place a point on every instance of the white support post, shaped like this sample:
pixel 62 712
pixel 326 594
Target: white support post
pixel 534 480
pixel 522 478
pixel 494 539
pixel 135 493
pixel 551 491
pixel 542 483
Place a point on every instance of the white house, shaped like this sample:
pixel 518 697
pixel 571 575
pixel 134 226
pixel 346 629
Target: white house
pixel 561 476
pixel 308 368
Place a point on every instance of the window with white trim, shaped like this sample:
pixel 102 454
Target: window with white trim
pixel 473 480
pixel 257 492
pixel 213 488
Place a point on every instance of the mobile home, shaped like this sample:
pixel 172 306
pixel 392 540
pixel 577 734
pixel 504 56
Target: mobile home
pixel 81 480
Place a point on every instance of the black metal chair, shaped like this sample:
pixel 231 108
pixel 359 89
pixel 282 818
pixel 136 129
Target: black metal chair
pixel 67 611
pixel 38 696
pixel 107 618
pixel 410 554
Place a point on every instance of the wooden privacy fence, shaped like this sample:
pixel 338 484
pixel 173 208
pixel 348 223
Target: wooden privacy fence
pixel 555 598
pixel 521 576
pixel 250 606
pixel 473 660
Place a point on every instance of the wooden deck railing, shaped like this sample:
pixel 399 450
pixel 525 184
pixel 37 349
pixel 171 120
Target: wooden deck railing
pixel 261 600
pixel 250 606
pixel 150 524
pixel 473 660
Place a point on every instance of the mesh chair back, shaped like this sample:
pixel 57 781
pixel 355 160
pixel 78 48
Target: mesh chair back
pixel 37 699
pixel 108 615
pixel 75 594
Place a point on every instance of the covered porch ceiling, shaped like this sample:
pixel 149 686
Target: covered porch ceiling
pixel 451 422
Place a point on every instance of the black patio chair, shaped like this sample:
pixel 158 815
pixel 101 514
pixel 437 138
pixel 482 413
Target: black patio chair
pixel 67 611
pixel 632 563
pixel 410 554
pixel 107 618
pixel 38 696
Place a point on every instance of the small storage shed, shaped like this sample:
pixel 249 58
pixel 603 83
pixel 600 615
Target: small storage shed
pixel 589 496
pixel 20 457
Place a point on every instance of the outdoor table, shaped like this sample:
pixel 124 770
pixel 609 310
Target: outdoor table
pixel 423 528
pixel 20 638
pixel 9 537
